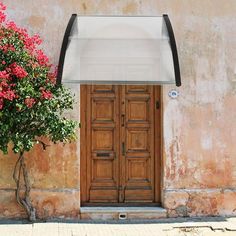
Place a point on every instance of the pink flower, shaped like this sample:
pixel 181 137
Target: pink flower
pixel 2 17
pixel 4 48
pixel 29 102
pixel 21 31
pixel 11 48
pixel 41 58
pixel 46 94
pixel 7 47
pixel 2 7
pixel 9 95
pixel 11 25
pixel 18 71
pixel 4 75
pixel 36 39
pixel 23 34
pixel 6 92
pixel 3 85
pixel 29 42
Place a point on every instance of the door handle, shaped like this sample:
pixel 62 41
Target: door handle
pixel 123 120
pixel 123 149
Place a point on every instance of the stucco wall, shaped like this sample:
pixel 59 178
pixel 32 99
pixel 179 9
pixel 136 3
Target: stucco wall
pixel 199 130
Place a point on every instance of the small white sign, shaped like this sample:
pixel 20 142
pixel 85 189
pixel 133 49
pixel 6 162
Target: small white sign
pixel 173 94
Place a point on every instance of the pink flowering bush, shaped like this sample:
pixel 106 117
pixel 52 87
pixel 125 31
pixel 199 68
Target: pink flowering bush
pixel 31 104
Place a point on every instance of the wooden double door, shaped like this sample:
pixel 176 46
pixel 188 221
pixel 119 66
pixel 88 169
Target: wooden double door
pixel 120 144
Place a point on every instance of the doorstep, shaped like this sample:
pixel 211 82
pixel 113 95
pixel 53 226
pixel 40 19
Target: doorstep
pixel 122 213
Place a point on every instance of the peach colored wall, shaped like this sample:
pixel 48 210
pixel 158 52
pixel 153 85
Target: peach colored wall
pixel 199 130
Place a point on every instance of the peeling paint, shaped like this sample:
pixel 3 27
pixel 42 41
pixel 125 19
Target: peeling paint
pixel 130 8
pixel 36 21
pixel 206 141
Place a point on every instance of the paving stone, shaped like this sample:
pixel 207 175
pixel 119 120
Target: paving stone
pixel 169 227
pixel 16 230
pixel 43 229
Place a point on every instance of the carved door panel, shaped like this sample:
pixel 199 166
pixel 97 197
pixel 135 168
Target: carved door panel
pixel 117 144
pixel 137 144
pixel 102 145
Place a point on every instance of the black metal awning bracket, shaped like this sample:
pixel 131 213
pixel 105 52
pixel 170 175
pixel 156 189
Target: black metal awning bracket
pixel 173 49
pixel 64 47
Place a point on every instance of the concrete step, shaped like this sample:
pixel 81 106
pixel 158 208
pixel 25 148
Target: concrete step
pixel 122 213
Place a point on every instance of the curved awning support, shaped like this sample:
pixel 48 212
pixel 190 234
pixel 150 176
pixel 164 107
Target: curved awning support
pixel 173 49
pixel 64 47
pixel 119 50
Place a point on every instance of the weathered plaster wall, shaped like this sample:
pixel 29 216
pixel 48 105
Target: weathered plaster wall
pixel 199 159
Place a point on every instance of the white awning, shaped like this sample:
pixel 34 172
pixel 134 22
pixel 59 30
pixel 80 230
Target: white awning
pixel 118 50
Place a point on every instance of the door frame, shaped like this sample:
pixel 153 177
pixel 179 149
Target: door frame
pixel 158 134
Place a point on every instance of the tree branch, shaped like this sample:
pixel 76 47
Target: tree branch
pixel 44 145
pixel 16 177
pixel 24 200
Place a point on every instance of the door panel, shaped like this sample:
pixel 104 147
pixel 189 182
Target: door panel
pixel 139 140
pixel 103 110
pixel 102 133
pixel 117 152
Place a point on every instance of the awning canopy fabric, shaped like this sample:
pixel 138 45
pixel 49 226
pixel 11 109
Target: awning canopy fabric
pixel 119 50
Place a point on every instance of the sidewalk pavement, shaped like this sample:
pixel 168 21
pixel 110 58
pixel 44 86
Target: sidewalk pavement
pixel 216 226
